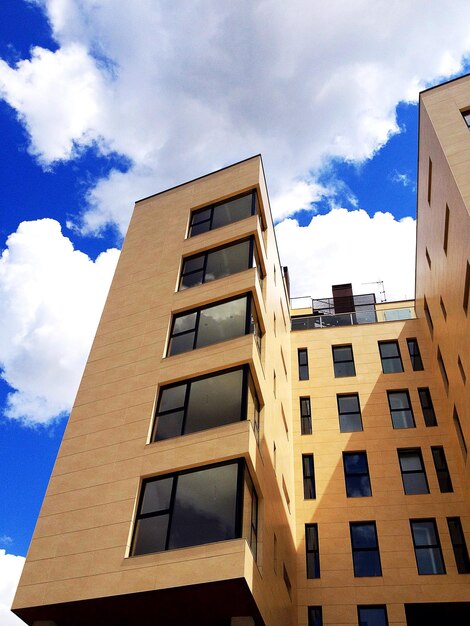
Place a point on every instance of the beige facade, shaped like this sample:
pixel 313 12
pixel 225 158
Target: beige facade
pixel 117 536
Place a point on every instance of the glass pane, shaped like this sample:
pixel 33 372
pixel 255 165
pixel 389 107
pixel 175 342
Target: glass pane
pixel 424 533
pixel 169 425
pixel 363 536
pixel 391 366
pixel 315 616
pixel 410 460
pixel 191 280
pixel 313 566
pixel 348 404
pixel 184 322
pixel 181 343
pixel 228 261
pixel 201 216
pixel 355 463
pixel 350 423
pixel 344 369
pixel 205 507
pixel 399 400
pixel 150 534
pixel 221 322
pixel 232 211
pixel 429 417
pixel 305 406
pixel 367 563
pixel 311 538
pixel 439 458
pixel 343 353
pixel 372 616
pixel 429 561
pixel 157 494
pixel 214 401
pixel 389 349
pixel 415 484
pixel 358 486
pixel 196 263
pixel 402 419
pixel 303 359
pixel 202 227
pixel 172 398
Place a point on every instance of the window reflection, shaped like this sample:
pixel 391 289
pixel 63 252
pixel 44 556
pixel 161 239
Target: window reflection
pixel 223 213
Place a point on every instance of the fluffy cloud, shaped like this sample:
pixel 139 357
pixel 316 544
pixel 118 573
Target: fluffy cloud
pixel 51 297
pixel 182 92
pixel 349 246
pixel 11 567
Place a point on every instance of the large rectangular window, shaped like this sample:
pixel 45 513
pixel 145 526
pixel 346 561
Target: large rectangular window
pixel 400 409
pixel 302 356
pixel 356 474
pixel 442 471
pixel 214 323
pixel 372 615
pixel 412 470
pixel 415 355
pixel 206 402
pixel 427 547
pixel 217 263
pixel 223 213
pixel 305 417
pixel 308 471
pixel 365 549
pixel 390 356
pixel 343 361
pixel 459 546
pixel 427 406
pixel 312 550
pixel 349 413
pixel 195 507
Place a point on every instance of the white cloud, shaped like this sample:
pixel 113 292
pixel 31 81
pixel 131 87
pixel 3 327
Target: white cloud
pixel 51 297
pixel 349 246
pixel 11 567
pixel 182 91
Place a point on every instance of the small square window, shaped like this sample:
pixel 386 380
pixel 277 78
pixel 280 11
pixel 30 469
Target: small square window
pixel 400 409
pixel 390 356
pixel 343 361
pixel 349 413
pixel 372 615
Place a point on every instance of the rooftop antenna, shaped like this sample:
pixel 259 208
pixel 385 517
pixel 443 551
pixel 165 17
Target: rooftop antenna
pixel 383 297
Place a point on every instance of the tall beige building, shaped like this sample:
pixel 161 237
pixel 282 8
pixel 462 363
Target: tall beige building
pixel 237 458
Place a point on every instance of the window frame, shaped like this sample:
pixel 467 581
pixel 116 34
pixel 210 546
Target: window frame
pixel 305 420
pixel 252 262
pixel 314 551
pixel 343 361
pixel 355 550
pixel 251 323
pixel 304 373
pixel 213 207
pixel 392 392
pixel 415 354
pixel 443 475
pixel 395 358
pixel 308 477
pixel 247 383
pixel 349 474
pixel 344 414
pixel 429 414
pixel 430 546
pixel 405 472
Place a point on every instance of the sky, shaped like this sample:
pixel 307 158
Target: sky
pixel 103 102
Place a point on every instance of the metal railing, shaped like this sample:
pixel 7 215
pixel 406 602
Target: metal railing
pixel 308 322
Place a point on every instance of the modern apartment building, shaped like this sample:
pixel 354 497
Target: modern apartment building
pixel 237 458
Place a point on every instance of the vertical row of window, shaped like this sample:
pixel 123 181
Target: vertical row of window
pixel 366 553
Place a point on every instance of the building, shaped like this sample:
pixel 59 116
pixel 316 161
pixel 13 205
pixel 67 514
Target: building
pixel 231 460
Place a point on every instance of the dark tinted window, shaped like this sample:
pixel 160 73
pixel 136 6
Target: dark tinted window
pixel 427 547
pixel 349 413
pixel 372 615
pixel 390 356
pixel 427 406
pixel 223 213
pixel 214 264
pixel 313 555
pixel 302 355
pixel 442 471
pixel 365 549
pixel 415 355
pixel 458 544
pixel 305 416
pixel 356 474
pixel 315 617
pixel 194 507
pixel 412 471
pixel 343 361
pixel 308 471
pixel 204 403
pixel 212 324
pixel 400 409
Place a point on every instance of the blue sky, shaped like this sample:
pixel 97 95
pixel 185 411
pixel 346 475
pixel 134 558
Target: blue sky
pixel 101 106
